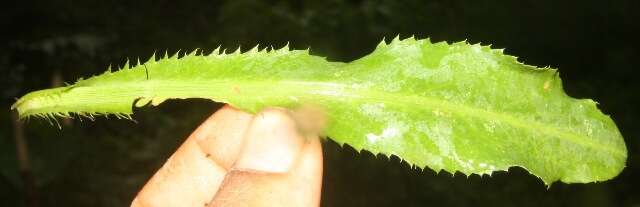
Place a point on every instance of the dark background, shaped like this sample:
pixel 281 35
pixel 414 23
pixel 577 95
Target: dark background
pixel 103 163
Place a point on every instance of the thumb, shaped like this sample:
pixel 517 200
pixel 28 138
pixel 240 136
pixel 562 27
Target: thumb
pixel 276 167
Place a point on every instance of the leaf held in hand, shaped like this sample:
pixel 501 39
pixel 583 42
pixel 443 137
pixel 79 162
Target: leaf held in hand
pixel 452 107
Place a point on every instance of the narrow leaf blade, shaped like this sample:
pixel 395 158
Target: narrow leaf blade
pixel 452 107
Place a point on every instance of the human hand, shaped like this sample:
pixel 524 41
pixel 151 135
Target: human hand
pixel 238 159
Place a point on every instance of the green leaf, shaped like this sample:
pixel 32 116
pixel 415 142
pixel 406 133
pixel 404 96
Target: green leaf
pixel 452 107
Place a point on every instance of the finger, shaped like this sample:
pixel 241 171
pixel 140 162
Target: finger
pixel 192 175
pixel 223 141
pixel 271 143
pixel 278 167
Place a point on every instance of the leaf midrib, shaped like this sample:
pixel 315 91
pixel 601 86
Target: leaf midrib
pixel 459 109
pixel 283 88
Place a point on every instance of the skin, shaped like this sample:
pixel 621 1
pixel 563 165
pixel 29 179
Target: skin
pixel 238 159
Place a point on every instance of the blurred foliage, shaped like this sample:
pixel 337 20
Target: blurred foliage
pixel 105 162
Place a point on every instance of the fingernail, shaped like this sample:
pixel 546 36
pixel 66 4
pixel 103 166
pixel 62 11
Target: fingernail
pixel 272 143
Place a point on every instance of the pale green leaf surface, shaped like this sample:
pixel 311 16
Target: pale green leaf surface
pixel 452 107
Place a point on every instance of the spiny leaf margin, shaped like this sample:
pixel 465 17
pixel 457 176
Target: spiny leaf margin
pixel 318 76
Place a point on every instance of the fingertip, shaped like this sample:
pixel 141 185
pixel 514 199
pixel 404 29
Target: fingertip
pixel 272 143
pixel 221 135
pixel 301 186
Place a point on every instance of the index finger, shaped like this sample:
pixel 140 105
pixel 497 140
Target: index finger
pixel 193 174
